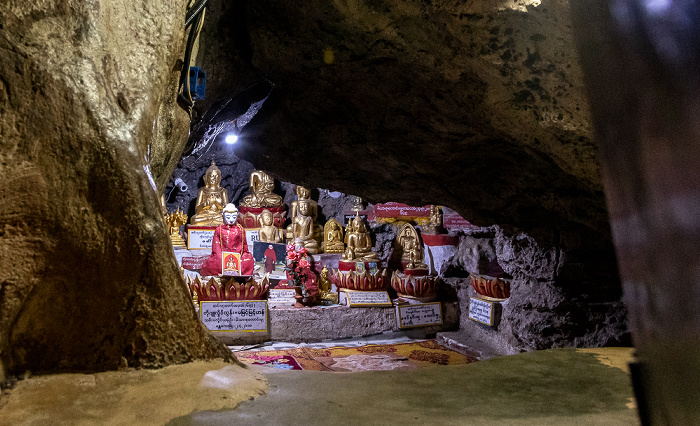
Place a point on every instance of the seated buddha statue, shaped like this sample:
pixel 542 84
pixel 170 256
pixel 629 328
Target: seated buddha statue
pixel 268 232
pixel 303 197
pixel 327 296
pixel 303 228
pixel 358 241
pixel 411 247
pixel 211 199
pixel 261 186
pixel 333 237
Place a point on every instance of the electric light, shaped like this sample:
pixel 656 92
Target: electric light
pixel 231 138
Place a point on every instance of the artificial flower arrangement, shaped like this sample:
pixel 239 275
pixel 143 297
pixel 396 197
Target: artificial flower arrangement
pixel 300 274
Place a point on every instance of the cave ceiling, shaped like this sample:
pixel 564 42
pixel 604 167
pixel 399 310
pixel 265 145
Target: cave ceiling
pixel 475 105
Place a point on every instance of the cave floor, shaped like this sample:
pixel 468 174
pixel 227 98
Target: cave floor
pixel 552 387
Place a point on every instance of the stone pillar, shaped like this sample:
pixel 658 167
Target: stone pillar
pixel 641 61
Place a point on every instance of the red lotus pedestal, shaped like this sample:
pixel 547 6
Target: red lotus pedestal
pixel 248 216
pixel 422 287
pixel 494 288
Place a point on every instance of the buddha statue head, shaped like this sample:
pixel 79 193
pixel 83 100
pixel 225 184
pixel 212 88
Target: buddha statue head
pixel 230 214
pixel 212 177
pixel 304 208
pixel 302 193
pixel 358 225
pixel 266 218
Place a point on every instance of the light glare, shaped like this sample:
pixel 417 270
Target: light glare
pixel 231 138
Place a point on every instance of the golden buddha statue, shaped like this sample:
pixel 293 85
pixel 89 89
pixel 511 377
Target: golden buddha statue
pixel 303 229
pixel 324 289
pixel 333 237
pixel 261 184
pixel 210 200
pixel 303 196
pixel 268 232
pixel 358 241
pixel 411 247
pixel 174 221
pixel 434 227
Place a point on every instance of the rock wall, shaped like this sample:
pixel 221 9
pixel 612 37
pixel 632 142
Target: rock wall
pixel 477 106
pixel 642 62
pixel 548 306
pixel 87 276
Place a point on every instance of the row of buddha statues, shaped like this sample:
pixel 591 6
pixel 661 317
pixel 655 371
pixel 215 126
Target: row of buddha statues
pixel 354 243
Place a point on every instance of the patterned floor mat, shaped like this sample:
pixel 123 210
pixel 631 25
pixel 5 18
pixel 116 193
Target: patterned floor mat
pixel 401 356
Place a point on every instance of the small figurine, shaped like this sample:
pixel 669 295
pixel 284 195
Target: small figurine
pixel 261 184
pixel 357 204
pixel 268 233
pixel 324 289
pixel 210 200
pixel 333 237
pixel 411 246
pixel 358 241
pixel 435 226
pixel 228 237
pixel 174 221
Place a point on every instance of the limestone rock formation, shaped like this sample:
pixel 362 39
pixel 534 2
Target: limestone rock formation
pixel 87 275
pixel 477 106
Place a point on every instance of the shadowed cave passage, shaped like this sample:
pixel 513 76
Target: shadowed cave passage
pixel 481 108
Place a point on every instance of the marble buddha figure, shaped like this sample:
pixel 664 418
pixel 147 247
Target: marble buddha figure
pixel 358 242
pixel 261 185
pixel 211 199
pixel 411 247
pixel 268 232
pixel 302 228
pixel 333 237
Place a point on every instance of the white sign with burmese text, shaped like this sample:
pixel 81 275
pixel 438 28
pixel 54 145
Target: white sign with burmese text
pixel 419 315
pixel 282 297
pixel 239 315
pixel 199 239
pixel 481 311
pixel 368 298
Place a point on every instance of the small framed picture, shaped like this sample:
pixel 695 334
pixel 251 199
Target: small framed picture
pixel 231 263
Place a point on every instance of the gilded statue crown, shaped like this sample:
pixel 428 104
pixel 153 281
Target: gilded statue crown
pixel 213 169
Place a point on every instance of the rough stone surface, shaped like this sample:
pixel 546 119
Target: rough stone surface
pixel 319 323
pixel 87 275
pixel 642 66
pixel 477 106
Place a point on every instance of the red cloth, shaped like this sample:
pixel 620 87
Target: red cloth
pixel 228 238
pixel 270 259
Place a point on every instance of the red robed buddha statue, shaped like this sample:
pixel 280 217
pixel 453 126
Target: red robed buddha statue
pixel 229 237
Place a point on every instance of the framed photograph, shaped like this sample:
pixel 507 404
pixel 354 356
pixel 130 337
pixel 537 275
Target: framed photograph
pixel 270 259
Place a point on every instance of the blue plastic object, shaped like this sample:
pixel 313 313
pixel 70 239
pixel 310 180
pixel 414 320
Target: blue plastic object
pixel 198 82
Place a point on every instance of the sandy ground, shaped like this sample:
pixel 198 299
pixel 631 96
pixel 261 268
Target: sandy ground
pixel 132 397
